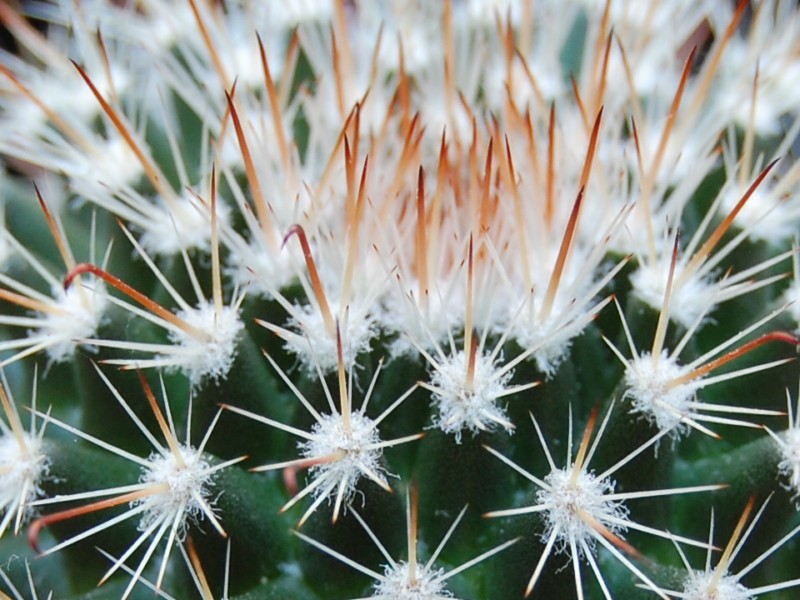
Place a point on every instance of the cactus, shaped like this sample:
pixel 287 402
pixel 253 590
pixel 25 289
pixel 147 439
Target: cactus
pixel 404 300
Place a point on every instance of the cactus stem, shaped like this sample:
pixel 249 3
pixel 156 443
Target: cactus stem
pixel 349 562
pixel 470 184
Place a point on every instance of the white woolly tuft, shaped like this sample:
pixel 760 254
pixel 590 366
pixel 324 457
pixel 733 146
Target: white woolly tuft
pixel 188 485
pixel 789 466
pixel 357 442
pixel 77 316
pixel 212 358
pixel 702 585
pixel 647 382
pixel 21 472
pixel 690 302
pixel 565 500
pixel 475 408
pixel 316 347
pixel 428 584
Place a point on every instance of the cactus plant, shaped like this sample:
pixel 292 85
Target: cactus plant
pixel 407 300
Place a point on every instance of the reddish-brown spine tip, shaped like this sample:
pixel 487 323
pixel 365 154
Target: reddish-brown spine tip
pixel 290 480
pixel 80 269
pixel 33 534
pixel 295 229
